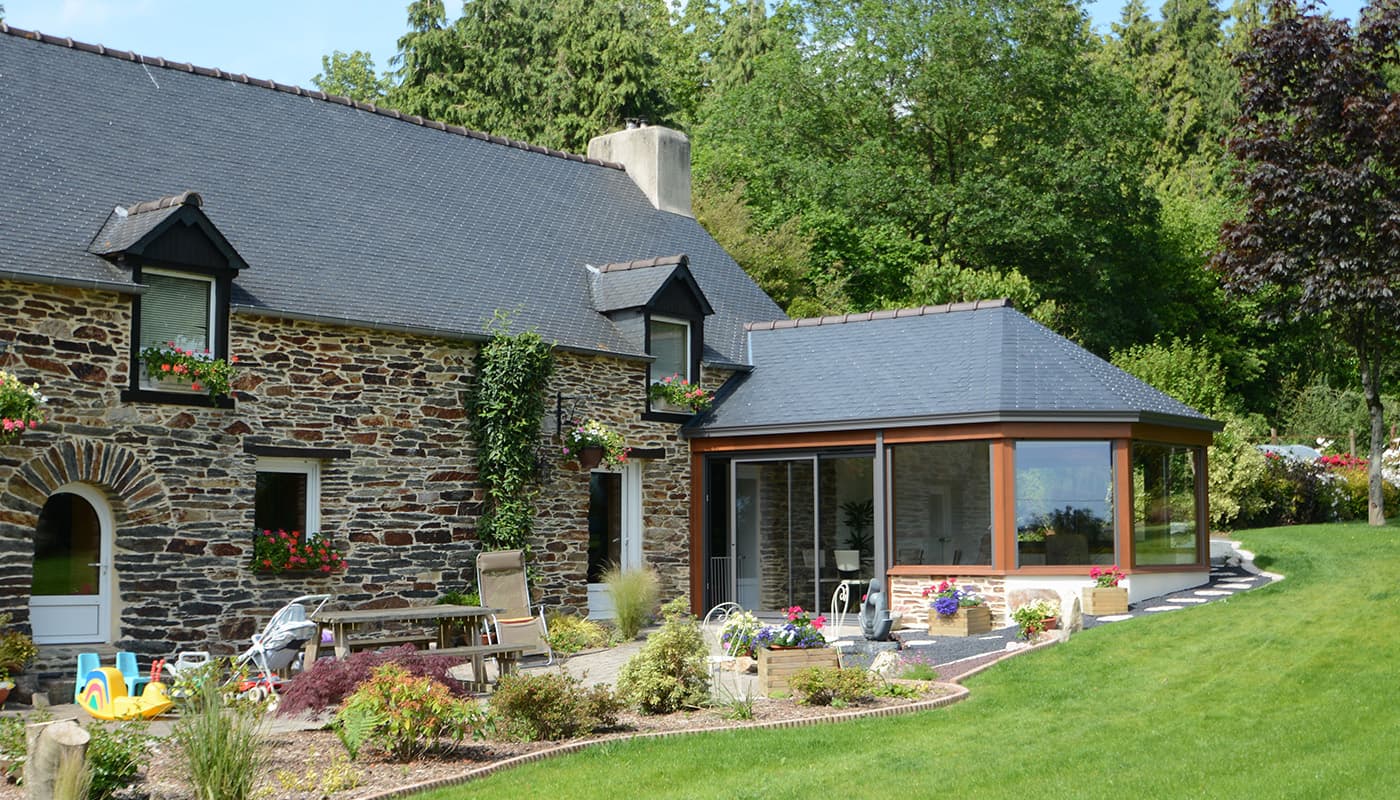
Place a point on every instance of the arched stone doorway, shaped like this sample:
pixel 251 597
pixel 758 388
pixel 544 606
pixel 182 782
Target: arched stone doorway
pixel 71 601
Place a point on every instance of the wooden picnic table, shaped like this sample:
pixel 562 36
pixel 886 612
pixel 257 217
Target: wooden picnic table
pixel 443 619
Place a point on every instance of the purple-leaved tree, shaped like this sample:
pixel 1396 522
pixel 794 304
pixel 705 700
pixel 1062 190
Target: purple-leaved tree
pixel 1318 149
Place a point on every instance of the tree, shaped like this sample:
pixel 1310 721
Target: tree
pixel 352 75
pixel 1318 146
pixel 551 72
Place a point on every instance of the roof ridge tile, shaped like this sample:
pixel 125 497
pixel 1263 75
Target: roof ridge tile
pixel 213 72
pixel 885 313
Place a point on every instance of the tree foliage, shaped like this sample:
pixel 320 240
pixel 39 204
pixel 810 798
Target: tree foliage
pixel 352 75
pixel 552 72
pixel 1188 371
pixel 1318 145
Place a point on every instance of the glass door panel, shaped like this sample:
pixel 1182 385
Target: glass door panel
pixel 776 557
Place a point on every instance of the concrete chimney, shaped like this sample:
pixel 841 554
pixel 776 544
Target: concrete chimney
pixel 657 160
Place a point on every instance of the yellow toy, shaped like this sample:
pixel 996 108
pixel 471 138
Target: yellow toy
pixel 104 697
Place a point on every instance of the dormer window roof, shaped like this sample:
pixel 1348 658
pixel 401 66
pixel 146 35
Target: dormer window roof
pixel 172 230
pixel 662 284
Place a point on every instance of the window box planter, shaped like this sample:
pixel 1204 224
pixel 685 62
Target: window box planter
pixel 1101 601
pixel 969 621
pixel 777 665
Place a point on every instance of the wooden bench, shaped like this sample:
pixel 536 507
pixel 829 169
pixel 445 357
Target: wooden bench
pixel 422 640
pixel 507 658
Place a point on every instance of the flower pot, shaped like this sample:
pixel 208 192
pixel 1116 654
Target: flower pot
pixel 1104 600
pixel 969 621
pixel 776 666
pixel 590 457
pixel 847 560
pixel 5 687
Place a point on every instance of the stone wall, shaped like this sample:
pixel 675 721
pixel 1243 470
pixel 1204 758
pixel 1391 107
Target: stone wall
pixel 404 503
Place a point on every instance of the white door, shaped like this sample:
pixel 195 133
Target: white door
pixel 614 530
pixel 72 598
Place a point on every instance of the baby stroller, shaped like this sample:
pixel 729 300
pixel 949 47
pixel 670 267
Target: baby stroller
pixel 280 644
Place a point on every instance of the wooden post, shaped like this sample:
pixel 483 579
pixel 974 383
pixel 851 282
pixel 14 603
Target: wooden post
pixel 1273 436
pixel 49 744
pixel 1351 442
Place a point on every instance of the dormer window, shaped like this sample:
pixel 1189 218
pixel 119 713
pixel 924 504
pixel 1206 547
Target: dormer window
pixel 177 310
pixel 186 268
pixel 658 301
pixel 670 346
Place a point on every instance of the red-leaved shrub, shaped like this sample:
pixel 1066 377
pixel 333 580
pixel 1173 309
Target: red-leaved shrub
pixel 329 682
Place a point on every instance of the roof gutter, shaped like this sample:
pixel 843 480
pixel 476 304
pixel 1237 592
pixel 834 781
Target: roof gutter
pixel 1194 423
pixel 81 283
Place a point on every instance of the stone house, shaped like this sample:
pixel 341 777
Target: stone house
pixel 352 260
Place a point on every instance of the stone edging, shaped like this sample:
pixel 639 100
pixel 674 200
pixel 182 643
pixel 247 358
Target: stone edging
pixel 957 693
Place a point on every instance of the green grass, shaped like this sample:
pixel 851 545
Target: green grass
pixel 1292 690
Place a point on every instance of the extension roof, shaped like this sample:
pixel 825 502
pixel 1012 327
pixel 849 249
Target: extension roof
pixel 343 212
pixel 976 362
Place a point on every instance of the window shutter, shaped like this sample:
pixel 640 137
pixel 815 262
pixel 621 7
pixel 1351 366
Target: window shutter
pixel 175 310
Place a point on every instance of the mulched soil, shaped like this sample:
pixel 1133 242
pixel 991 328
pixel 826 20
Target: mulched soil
pixel 311 764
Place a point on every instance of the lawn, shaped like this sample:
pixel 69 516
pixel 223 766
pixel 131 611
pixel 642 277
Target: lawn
pixel 1292 690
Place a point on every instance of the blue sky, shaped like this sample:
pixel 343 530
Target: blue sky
pixel 282 40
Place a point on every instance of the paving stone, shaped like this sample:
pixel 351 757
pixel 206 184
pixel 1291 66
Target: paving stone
pixel 1162 608
pixel 1187 600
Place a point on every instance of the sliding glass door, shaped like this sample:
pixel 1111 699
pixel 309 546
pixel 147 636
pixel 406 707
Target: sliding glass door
pixel 799 527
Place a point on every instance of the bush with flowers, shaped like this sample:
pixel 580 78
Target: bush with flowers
pixel 280 551
pixel 595 434
pixel 21 407
pixel 681 393
pixel 1106 578
pixel 800 630
pixel 202 371
pixel 947 597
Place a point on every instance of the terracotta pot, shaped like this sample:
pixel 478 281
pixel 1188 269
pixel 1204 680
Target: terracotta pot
pixel 5 692
pixel 590 457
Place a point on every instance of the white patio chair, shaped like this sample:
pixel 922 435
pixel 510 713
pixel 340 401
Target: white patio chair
pixel 719 657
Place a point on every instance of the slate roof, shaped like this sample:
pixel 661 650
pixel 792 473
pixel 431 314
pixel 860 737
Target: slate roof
pixel 342 211
pixel 961 363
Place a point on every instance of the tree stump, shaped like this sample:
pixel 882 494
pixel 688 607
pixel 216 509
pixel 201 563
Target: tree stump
pixel 49 745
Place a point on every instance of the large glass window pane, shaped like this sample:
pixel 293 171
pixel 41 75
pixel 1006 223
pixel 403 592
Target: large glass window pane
pixel 176 309
pixel 604 524
pixel 670 347
pixel 846 527
pixel 281 502
pixel 1064 503
pixel 1164 504
pixel 774 541
pixel 941 503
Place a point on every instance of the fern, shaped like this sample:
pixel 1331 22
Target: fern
pixel 354 726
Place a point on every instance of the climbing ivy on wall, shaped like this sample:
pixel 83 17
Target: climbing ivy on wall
pixel 507 405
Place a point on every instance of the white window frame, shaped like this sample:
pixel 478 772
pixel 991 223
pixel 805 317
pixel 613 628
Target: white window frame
pixel 689 332
pixel 146 382
pixel 309 467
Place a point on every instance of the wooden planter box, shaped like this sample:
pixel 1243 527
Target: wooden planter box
pixel 969 621
pixel 776 667
pixel 1101 601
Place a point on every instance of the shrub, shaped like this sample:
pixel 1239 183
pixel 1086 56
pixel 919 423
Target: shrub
pixel 219 738
pixel 669 672
pixel 411 713
pixel 634 595
pixel 1237 475
pixel 569 634
pixel 551 706
pixel 1353 488
pixel 13 747
pixel 1295 493
pixel 329 682
pixel 116 754
pixel 819 686
pixel 1187 371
